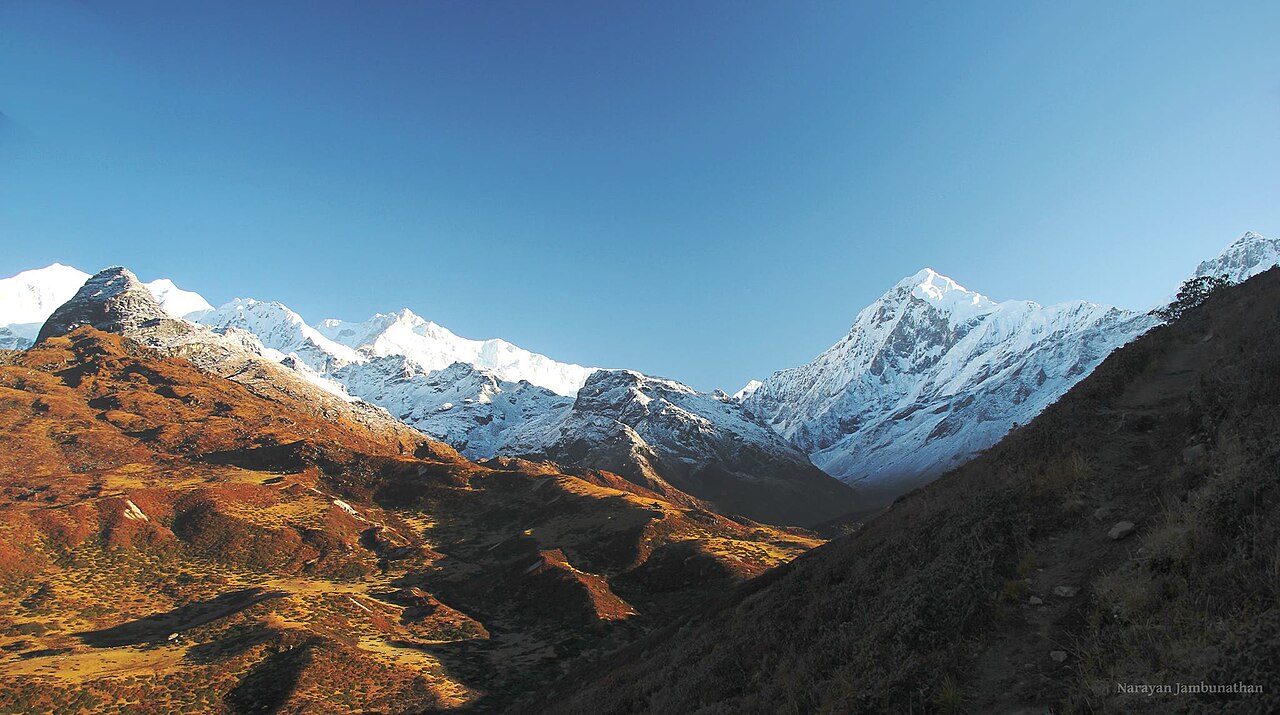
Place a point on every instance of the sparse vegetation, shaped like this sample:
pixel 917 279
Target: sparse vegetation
pixel 1191 294
pixel 203 562
pixel 1010 575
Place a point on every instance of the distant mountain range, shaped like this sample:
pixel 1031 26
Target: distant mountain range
pixel 173 496
pixel 929 375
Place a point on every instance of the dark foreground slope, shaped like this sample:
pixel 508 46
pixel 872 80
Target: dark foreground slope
pixel 1014 584
pixel 173 541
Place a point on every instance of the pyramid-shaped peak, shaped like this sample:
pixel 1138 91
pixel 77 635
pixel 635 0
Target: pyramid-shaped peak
pixel 934 283
pixel 111 282
pixel 113 300
pixel 930 285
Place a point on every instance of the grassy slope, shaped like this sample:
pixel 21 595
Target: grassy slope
pixel 929 607
pixel 306 564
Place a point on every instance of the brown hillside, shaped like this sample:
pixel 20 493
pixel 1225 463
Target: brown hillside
pixel 172 541
pixel 1016 583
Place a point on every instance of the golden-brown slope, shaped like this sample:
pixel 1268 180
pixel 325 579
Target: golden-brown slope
pixel 170 540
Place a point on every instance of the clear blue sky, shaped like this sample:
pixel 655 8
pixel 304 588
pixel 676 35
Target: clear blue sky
pixel 708 191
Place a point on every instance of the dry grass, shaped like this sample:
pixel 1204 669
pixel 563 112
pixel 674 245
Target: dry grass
pixel 134 486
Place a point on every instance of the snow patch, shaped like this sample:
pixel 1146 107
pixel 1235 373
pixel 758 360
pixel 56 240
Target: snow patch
pixel 133 513
pixel 747 390
pixel 347 508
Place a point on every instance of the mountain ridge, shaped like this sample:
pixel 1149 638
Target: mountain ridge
pixel 434 347
pixel 927 376
pixel 181 518
pixel 932 373
pixel 1110 540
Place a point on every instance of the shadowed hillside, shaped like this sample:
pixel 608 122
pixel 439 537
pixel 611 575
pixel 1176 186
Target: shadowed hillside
pixel 1129 535
pixel 173 541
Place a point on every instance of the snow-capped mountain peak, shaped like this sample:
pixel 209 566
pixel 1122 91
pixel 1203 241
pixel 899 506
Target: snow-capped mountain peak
pixel 931 373
pixel 431 346
pixel 178 302
pixel 941 292
pixel 747 390
pixel 1246 257
pixel 281 329
pixel 32 296
pixel 361 334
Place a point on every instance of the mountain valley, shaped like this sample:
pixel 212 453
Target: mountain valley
pixel 1127 535
pixel 262 538
pixel 449 524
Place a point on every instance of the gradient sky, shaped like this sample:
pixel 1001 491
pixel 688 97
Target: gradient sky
pixel 708 191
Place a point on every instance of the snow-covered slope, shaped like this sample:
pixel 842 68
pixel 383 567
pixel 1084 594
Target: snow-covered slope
pixel 335 344
pixel 283 330
pixel 177 302
pixel 471 394
pixel 468 407
pixel 651 430
pixel 747 390
pixel 930 374
pixel 1248 256
pixel 30 297
pixel 432 347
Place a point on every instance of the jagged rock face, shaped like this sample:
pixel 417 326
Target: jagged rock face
pixel 1248 256
pixel 650 429
pixel 467 407
pixel 930 374
pixel 113 300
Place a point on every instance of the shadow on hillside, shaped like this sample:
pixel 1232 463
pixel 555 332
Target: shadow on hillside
pixel 268 684
pixel 290 457
pixel 158 627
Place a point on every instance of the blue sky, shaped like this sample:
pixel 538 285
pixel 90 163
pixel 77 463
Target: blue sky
pixel 708 191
